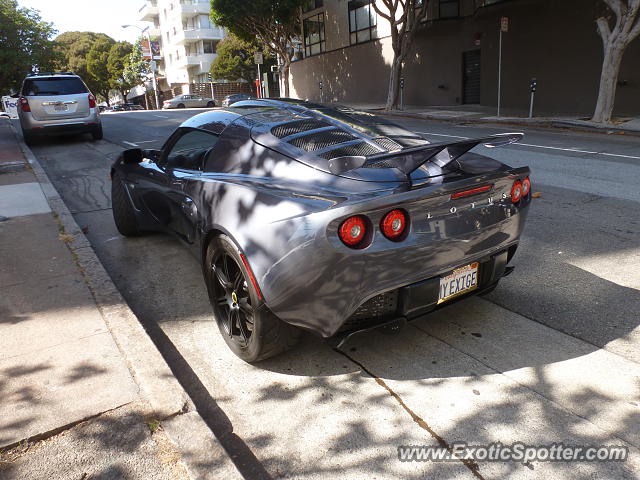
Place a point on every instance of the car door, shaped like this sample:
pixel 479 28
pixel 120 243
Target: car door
pixel 164 188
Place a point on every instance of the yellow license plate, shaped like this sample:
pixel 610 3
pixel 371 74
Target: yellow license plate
pixel 462 280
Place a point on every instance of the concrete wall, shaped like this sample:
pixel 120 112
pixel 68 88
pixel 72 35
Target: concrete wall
pixel 554 41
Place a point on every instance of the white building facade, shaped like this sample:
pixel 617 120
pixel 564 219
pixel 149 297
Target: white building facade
pixel 188 39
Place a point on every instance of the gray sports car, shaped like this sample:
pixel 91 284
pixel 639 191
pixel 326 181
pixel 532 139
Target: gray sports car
pixel 324 219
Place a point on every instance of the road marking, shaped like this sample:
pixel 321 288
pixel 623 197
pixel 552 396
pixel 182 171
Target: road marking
pixel 129 143
pixel 160 116
pixel 575 150
pixel 146 141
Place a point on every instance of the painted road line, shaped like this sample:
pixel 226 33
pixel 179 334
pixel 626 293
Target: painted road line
pixel 160 116
pixel 519 144
pixel 129 143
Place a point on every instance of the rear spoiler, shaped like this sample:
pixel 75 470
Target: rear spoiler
pixel 410 159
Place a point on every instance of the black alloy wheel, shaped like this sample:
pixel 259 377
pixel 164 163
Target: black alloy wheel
pixel 235 313
pixel 246 324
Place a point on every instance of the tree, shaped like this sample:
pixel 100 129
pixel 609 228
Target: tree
pixel 234 59
pixel 404 17
pixel 73 49
pixel 116 63
pixel 614 41
pixel 25 44
pixel 97 67
pixel 275 23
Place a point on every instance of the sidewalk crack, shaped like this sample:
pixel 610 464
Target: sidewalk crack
pixel 473 467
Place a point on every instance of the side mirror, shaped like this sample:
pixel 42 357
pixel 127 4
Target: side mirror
pixel 151 154
pixel 131 156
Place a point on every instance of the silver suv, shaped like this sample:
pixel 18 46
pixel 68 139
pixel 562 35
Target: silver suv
pixel 51 103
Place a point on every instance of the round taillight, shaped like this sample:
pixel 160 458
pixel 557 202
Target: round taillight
pixel 516 191
pixel 526 186
pixel 394 224
pixel 92 101
pixel 352 231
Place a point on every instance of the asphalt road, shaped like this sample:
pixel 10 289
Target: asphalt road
pixel 552 355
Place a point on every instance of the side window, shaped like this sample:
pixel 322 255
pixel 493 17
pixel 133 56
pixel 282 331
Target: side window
pixel 190 150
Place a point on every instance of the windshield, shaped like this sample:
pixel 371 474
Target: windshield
pixel 53 86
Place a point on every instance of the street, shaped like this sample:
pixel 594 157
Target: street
pixel 551 355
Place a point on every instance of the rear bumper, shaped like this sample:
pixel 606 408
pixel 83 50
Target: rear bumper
pixel 420 298
pixel 58 126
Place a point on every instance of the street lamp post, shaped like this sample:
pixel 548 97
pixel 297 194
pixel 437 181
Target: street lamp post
pixel 153 73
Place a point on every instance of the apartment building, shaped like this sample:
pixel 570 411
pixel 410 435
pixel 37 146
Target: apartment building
pixel 454 58
pixel 188 40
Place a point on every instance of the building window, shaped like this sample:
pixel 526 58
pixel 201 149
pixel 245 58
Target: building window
pixel 362 21
pixel 449 8
pixel 314 35
pixel 311 5
pixel 209 46
pixel 204 21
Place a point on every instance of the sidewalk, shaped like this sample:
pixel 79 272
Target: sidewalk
pixel 483 114
pixel 84 391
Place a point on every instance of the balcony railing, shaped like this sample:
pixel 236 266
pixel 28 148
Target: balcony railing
pixel 190 8
pixel 193 35
pixel 148 12
pixel 201 62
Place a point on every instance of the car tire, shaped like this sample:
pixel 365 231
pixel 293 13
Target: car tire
pixel 97 133
pixel 180 105
pixel 269 335
pixel 123 213
pixel 29 138
pixel 211 104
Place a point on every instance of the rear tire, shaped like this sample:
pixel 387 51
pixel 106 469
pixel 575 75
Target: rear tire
pixel 211 104
pixel 180 105
pixel 123 213
pixel 97 133
pixel 267 334
pixel 29 138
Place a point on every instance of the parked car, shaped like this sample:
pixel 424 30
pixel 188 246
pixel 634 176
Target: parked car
pixel 189 101
pixel 51 103
pixel 236 97
pixel 329 220
pixel 125 107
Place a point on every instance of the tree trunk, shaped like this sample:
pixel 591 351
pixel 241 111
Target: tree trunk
pixel 394 83
pixel 285 75
pixel 608 82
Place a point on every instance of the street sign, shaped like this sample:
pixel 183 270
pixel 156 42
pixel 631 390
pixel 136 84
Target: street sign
pixel 504 24
pixel 258 58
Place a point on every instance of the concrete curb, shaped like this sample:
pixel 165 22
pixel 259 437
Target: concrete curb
pixel 576 126
pixel 158 385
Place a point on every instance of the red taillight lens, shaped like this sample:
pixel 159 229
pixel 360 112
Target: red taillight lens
pixel 394 224
pixel 92 101
pixel 24 104
pixel 352 231
pixel 526 186
pixel 516 191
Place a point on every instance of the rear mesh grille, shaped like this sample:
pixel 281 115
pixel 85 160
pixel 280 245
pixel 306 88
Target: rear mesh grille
pixel 316 141
pixel 387 143
pixel 372 311
pixel 363 149
pixel 297 126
